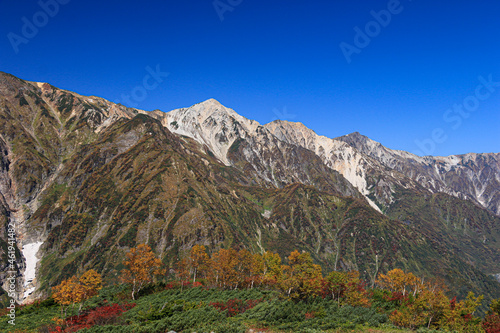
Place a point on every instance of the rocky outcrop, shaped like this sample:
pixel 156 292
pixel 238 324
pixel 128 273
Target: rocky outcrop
pixel 474 177
pixel 378 172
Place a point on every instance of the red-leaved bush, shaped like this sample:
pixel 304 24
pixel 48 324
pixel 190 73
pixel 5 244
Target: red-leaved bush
pixel 169 286
pixel 310 315
pixel 491 323
pixel 235 306
pixel 104 315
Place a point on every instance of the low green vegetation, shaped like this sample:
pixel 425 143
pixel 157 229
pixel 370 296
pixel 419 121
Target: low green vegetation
pixel 171 306
pixel 240 292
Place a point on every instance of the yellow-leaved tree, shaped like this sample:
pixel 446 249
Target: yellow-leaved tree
pixel 400 282
pixel 73 290
pixel 199 260
pixel 91 281
pixel 460 315
pixel 142 268
pixel 301 277
pixel 256 269
pixel 272 271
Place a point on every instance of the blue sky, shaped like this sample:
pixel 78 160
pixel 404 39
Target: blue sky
pixel 413 80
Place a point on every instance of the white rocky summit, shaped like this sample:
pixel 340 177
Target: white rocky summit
pixel 354 156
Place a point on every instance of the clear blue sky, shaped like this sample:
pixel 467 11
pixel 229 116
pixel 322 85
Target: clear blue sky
pixel 279 59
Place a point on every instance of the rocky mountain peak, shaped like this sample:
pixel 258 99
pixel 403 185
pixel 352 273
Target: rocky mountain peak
pixel 360 142
pixel 207 108
pixel 211 102
pixel 292 132
pixel 471 176
pixel 356 136
pixel 211 124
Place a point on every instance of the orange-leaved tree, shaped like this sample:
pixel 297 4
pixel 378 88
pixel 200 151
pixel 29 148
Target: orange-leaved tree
pixel 224 268
pixel 73 290
pixel 68 292
pixel 244 267
pixel 142 267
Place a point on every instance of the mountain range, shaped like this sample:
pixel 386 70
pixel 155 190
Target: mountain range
pixel 84 180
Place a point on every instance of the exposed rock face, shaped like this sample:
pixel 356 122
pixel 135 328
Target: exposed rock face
pixel 237 141
pixel 474 177
pixel 84 180
pixel 376 182
pixel 211 124
pixel 375 169
pixel 40 126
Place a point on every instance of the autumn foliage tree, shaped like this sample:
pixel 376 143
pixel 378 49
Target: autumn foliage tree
pixel 68 292
pixel 183 271
pixel 425 304
pixel 198 260
pixel 91 281
pixel 301 278
pixel 73 290
pixel 272 269
pixel 405 289
pixel 142 266
pixel 407 300
pixel 224 268
pixel 346 288
pixel 230 268
pixel 436 303
pixel 256 270
pixel 400 282
pixel 459 316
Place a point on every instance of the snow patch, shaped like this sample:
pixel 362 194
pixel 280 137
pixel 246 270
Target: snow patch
pixel 29 253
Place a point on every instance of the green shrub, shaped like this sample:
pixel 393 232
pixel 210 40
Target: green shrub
pixel 190 310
